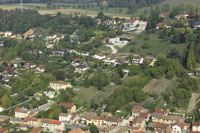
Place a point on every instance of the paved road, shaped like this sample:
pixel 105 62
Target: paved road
pixel 19 104
pixel 114 50
pixel 43 107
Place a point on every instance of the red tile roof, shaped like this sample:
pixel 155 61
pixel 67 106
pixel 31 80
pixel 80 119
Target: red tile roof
pixel 160 111
pixel 195 123
pixel 53 122
pixel 101 118
pixel 165 14
pixel 160 24
pixel 18 109
pixel 77 59
pixel 36 130
pixel 137 109
pixel 30 119
pixel 133 20
pixel 2 129
pixel 66 105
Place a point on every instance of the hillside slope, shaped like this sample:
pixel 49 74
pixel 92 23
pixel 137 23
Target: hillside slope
pixel 174 2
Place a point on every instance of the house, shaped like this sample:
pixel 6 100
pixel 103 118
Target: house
pixel 36 130
pixel 111 121
pixel 196 25
pixel 52 125
pixel 150 60
pixel 160 111
pixel 135 130
pixel 22 113
pixel 134 25
pixel 70 107
pixel 59 85
pixel 114 129
pixel 7 33
pixel 3 130
pixel 1 44
pixel 30 65
pixel 117 42
pixel 122 122
pixel 87 117
pixel 98 21
pixel 34 122
pixel 64 117
pixel 49 94
pixel 196 126
pixel 1 109
pixel 109 60
pixel 40 68
pixel 138 122
pixel 137 110
pixel 157 127
pixel 161 25
pixel 160 118
pixel 99 121
pixel 182 16
pixel 99 56
pixel 138 60
pixel 81 68
pixel 78 131
pixel 76 62
pixel 180 127
pixel 164 15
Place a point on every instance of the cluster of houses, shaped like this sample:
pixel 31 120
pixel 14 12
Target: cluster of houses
pixel 136 60
pixel 9 34
pixel 139 121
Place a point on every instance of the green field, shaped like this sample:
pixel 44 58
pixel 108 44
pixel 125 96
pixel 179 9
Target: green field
pixel 86 95
pixel 150 45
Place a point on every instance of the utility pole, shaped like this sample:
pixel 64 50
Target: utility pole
pixel 21 4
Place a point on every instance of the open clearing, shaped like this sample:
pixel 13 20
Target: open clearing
pixel 159 85
pixel 193 102
pixel 86 95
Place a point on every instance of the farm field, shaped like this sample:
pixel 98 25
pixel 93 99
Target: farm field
pixel 114 12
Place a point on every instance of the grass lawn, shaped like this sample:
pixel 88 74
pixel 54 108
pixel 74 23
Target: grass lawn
pixel 86 95
pixel 105 49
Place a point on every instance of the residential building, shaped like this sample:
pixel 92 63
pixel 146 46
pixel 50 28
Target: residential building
pixel 180 127
pixel 3 130
pixel 35 122
pixel 76 62
pixel 23 113
pixel 1 109
pixel 36 130
pixel 70 107
pixel 40 68
pixel 123 122
pixel 196 25
pixel 196 126
pixel 138 60
pixel 117 42
pixel 137 110
pixel 182 16
pixel 59 85
pixel 99 56
pixel 81 68
pixel 49 94
pixel 111 121
pixel 63 117
pixel 156 117
pixel 52 125
pixel 164 15
pixel 161 25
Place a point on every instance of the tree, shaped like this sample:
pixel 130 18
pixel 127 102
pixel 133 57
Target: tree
pixel 100 15
pixel 5 101
pixel 191 61
pixel 94 129
pixel 59 74
pixel 116 78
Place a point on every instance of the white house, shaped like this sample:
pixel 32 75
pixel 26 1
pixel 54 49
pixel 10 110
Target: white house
pixel 52 125
pixel 81 68
pixel 58 85
pixel 138 60
pixel 180 127
pixel 7 33
pixel 137 110
pixel 40 68
pixel 110 60
pixel 195 126
pixel 117 42
pixel 123 122
pixel 99 56
pixel 76 62
pixel 1 109
pixel 22 113
pixel 64 117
